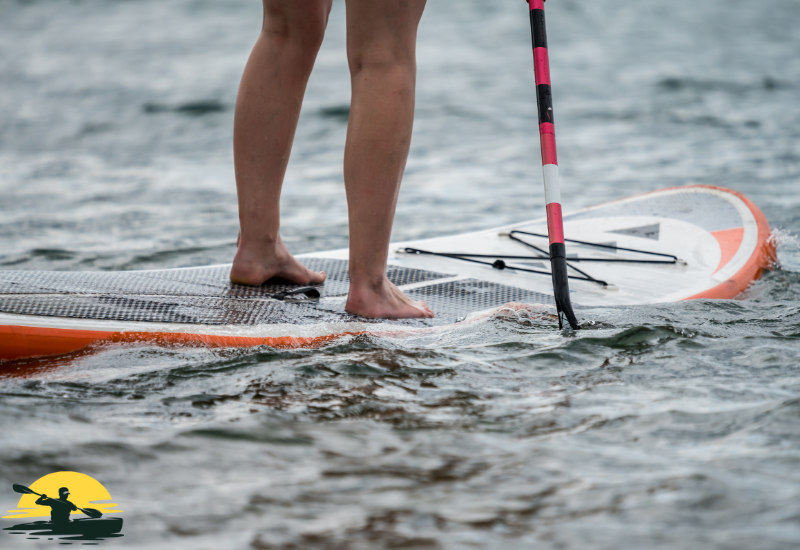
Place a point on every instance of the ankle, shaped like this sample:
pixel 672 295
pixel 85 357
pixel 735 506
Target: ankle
pixel 373 282
pixel 269 243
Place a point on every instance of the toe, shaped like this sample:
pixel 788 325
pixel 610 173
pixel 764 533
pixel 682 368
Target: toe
pixel 316 277
pixel 426 308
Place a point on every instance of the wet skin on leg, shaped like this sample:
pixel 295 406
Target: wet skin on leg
pixel 265 120
pixel 381 50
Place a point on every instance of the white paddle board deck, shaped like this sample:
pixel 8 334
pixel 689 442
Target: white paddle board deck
pixel 697 242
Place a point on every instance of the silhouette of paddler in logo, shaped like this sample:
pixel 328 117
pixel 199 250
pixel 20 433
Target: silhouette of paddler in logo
pixel 35 503
pixel 60 508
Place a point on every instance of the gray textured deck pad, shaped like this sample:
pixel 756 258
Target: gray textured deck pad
pixel 204 296
pixel 198 281
pixel 162 309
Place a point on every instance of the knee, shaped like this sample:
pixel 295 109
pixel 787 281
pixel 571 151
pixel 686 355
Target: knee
pixel 302 32
pixel 395 57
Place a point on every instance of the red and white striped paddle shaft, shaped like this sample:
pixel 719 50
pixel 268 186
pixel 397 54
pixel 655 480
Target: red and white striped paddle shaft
pixel 552 190
pixel 547 132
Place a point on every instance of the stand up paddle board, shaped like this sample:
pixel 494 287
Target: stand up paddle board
pixel 675 244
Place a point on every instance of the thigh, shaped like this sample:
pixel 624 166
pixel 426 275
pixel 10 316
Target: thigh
pixel 375 25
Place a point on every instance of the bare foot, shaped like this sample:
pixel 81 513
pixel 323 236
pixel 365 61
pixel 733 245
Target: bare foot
pixel 384 301
pixel 257 263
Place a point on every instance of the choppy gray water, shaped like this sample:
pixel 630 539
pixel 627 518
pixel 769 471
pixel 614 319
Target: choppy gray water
pixel 676 426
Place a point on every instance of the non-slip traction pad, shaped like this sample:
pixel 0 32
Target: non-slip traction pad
pixel 205 296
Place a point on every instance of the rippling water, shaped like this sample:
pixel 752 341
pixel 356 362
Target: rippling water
pixel 669 426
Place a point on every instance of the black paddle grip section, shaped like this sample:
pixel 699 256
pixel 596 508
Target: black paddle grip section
pixel 544 99
pixel 558 267
pixel 538 31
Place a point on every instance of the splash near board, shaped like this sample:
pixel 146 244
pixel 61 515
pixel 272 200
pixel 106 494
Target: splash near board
pixel 676 244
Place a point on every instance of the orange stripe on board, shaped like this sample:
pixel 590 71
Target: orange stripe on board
pixel 20 342
pixel 17 342
pixel 729 242
pixel 764 257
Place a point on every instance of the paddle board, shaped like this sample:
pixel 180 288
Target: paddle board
pixel 675 244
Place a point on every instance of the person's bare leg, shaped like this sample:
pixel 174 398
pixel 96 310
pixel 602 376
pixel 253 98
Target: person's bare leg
pixel 267 109
pixel 381 49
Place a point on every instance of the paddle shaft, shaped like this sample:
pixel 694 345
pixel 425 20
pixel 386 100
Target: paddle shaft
pixel 22 489
pixel 552 190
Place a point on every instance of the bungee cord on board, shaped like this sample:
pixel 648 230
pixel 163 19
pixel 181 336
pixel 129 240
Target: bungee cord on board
pixel 500 259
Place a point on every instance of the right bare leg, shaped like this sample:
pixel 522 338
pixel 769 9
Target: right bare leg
pixel 265 120
pixel 381 50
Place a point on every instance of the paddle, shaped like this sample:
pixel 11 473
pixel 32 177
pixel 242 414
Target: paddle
pixel 552 191
pixel 91 512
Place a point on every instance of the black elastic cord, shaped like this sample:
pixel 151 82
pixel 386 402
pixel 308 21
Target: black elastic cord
pixel 589 277
pixel 571 258
pixel 504 257
pixel 611 247
pixel 500 264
